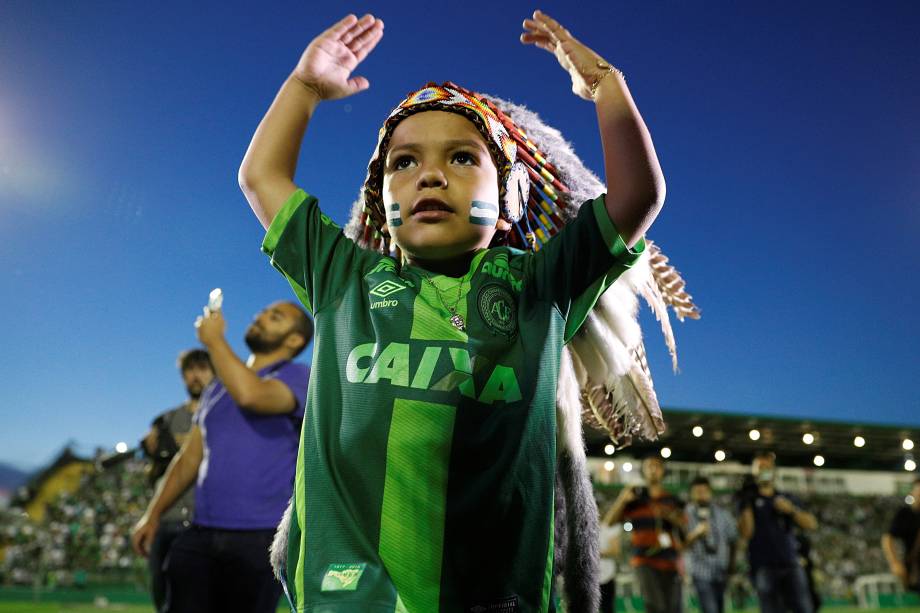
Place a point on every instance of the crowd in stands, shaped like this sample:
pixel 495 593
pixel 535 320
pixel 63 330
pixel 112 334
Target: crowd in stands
pixel 846 544
pixel 85 535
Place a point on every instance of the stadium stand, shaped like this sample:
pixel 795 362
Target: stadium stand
pixel 79 534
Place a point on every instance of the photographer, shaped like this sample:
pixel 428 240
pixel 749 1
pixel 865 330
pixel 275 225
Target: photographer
pixel 710 546
pixel 768 520
pixel 656 517
pixel 167 433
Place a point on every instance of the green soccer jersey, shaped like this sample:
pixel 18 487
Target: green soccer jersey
pixel 425 476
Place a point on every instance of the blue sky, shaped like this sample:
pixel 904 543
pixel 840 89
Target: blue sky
pixel 788 132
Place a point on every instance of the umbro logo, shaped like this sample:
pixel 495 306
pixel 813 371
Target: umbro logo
pixel 387 288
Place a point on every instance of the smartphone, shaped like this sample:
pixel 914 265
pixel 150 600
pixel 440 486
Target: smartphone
pixel 215 299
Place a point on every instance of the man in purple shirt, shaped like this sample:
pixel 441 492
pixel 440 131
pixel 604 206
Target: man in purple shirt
pixel 242 451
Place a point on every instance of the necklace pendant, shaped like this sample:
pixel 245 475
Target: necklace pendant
pixel 458 322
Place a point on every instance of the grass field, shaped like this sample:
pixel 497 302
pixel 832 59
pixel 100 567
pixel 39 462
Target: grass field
pixel 30 607
pixel 46 607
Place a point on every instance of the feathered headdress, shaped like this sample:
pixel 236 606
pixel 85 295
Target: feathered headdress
pixel 542 185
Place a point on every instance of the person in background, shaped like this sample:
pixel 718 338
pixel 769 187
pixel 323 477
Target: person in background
pixel 709 550
pixel 905 528
pixel 241 454
pixel 609 547
pixel 167 433
pixel 768 519
pixel 657 519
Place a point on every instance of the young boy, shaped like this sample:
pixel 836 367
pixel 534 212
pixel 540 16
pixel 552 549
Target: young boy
pixel 425 474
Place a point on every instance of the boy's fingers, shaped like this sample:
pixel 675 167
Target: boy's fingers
pixel 342 25
pixel 535 26
pixel 357 28
pixel 368 45
pixel 530 37
pixel 552 25
pixel 358 84
pixel 365 37
pixel 540 41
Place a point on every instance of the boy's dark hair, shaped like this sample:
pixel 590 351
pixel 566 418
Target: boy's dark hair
pixel 303 325
pixel 765 453
pixel 193 357
pixel 700 480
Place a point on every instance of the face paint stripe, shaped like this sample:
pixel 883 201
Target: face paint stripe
pixel 479 205
pixel 393 217
pixel 483 213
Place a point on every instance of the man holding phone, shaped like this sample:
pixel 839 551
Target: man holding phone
pixel 656 519
pixel 241 454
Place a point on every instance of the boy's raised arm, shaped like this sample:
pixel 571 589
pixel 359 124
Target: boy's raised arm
pixel 635 183
pixel 323 73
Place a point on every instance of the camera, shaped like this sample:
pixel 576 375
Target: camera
pixel 167 447
pixel 748 493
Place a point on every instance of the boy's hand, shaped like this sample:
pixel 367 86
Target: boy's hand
pixel 326 65
pixel 584 65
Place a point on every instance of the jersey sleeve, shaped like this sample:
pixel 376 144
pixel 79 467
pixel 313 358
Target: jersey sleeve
pixel 311 251
pixel 575 267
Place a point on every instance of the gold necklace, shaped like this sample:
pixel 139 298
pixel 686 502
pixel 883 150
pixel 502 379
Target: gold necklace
pixel 455 318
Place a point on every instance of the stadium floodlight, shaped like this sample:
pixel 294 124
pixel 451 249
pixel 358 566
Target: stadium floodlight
pixel 907 444
pixel 754 434
pixel 910 465
pixel 720 455
pixel 627 526
pixel 121 447
pixel 627 467
pixel 666 452
pixel 608 466
pixel 697 431
pixel 819 460
pixel 859 441
pixel 808 438
pixel 609 449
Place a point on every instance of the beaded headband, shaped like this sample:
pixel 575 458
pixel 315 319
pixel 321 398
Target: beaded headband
pixel 532 195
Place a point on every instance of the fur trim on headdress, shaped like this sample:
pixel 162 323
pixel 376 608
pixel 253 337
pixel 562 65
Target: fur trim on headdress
pixel 277 552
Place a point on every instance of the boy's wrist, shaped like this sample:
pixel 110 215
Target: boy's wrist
pixel 311 92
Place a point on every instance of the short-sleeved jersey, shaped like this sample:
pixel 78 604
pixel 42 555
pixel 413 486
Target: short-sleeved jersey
pixel 425 474
pixel 247 469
